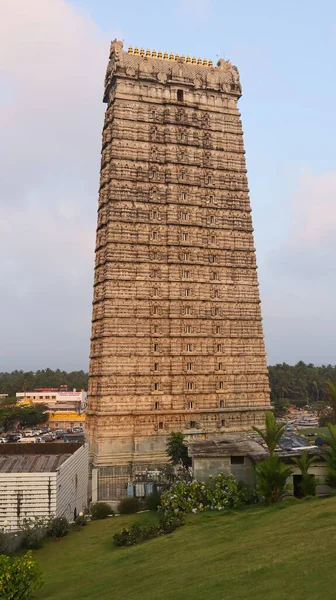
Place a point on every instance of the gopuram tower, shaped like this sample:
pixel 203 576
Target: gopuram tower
pixel 177 340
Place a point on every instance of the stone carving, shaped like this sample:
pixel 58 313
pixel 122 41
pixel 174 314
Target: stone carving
pixel 176 296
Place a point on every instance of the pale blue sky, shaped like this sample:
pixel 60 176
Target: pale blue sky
pixel 53 56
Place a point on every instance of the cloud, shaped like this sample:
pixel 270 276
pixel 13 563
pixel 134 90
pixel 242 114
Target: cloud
pixel 298 284
pixel 52 65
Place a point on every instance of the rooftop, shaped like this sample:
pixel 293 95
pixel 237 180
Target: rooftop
pixel 33 458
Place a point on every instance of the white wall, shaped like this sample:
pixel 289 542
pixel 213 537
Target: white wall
pixel 29 494
pixel 72 484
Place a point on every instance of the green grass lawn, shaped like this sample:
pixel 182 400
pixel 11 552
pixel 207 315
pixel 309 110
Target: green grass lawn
pixel 285 552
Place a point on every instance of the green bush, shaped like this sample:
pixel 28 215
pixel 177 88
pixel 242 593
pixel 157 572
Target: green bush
pixel 223 491
pixel 81 520
pixel 100 510
pixel 58 527
pixel 153 501
pixel 20 577
pixel 33 531
pixel 128 506
pixel 170 521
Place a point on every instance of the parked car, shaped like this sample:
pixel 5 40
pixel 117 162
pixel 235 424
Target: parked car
pixel 3 440
pixel 47 437
pixel 12 438
pixel 77 430
pixel 28 433
pixel 39 440
pixel 59 434
pixel 45 430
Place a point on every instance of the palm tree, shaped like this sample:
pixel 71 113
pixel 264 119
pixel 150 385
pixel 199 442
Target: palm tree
pixel 308 483
pixel 305 461
pixel 331 456
pixel 273 432
pixel 271 479
pixel 331 388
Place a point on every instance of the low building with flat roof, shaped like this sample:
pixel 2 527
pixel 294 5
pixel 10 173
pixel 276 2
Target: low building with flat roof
pixel 42 481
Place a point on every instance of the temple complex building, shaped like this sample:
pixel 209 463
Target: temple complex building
pixel 177 341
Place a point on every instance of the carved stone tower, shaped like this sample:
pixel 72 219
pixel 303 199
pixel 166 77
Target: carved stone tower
pixel 177 341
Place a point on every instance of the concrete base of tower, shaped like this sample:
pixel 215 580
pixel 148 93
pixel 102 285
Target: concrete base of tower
pixel 125 451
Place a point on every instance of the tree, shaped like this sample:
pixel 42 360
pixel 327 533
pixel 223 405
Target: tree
pixel 273 432
pixel 271 479
pixel 20 577
pixel 330 456
pixel 177 449
pixel 308 483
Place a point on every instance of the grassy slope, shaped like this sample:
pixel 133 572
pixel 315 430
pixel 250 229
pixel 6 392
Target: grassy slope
pixel 265 554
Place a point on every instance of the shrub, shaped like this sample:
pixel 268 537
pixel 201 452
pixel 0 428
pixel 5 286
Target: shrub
pixel 124 538
pixel 170 521
pixel 33 531
pixel 153 501
pixel 128 506
pixel 81 520
pixel 58 527
pixel 222 492
pixel 20 577
pixel 100 510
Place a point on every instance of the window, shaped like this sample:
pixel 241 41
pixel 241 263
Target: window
pixel 212 258
pixel 190 385
pixel 223 424
pixel 208 179
pixel 189 366
pixel 212 219
pixel 184 237
pixel 156 406
pixel 216 293
pixel 154 214
pixel 154 235
pixel 53 397
pixel 213 239
pixel 154 114
pixel 155 273
pixel 184 196
pixel 155 328
pixel 188 347
pixel 181 175
pixel 216 311
pixel 187 310
pixel 187 329
pixel 217 329
pixel 193 424
pixel 156 386
pixel 214 275
pixel 160 425
pixel 156 366
pixel 190 404
pixel 187 292
pixel 155 310
pixel 219 347
pixel 155 292
pixel 185 274
pixel 155 347
pixel 221 404
pixel 180 95
pixel 220 366
pixel 221 385
pixel 182 136
pixel 185 217
pixel 237 460
pixel 185 256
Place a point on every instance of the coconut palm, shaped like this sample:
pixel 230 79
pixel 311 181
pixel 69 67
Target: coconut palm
pixel 273 432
